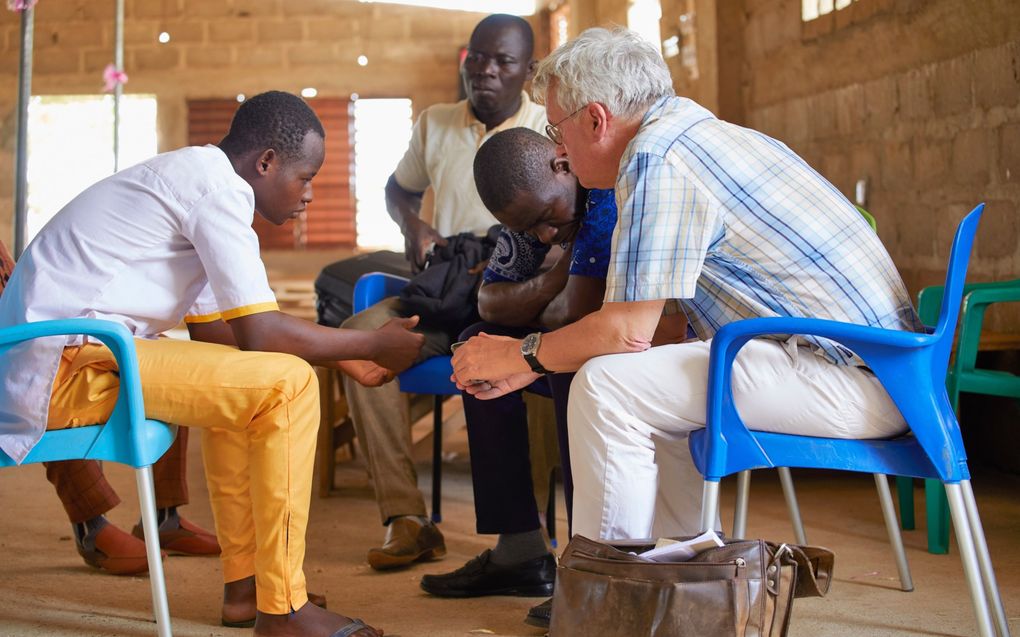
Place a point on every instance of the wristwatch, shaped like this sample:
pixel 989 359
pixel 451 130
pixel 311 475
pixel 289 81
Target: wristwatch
pixel 529 350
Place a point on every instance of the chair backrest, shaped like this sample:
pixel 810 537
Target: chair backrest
pixel 956 276
pixel 374 287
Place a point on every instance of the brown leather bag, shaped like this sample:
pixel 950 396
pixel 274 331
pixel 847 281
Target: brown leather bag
pixel 743 589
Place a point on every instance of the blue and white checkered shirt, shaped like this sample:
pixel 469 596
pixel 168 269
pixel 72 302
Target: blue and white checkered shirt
pixel 735 225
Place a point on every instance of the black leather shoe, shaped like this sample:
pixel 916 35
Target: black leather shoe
pixel 480 577
pixel 540 615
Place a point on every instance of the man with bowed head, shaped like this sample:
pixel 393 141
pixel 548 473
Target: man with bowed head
pixel 727 224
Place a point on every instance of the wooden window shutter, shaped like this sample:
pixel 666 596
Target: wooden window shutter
pixel 329 221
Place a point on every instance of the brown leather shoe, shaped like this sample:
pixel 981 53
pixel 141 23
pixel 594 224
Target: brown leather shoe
pixel 408 540
pixel 114 551
pixel 177 536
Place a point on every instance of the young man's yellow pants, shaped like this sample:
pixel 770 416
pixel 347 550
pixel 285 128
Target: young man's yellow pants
pixel 259 412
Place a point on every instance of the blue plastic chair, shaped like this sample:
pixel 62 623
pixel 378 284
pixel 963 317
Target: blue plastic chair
pixel 127 437
pixel 789 494
pixel 430 377
pixel 912 368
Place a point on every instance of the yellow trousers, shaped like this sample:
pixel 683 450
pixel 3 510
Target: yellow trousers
pixel 259 413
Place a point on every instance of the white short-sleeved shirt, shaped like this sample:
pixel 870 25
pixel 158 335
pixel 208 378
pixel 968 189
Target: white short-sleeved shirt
pixel 165 240
pixel 441 154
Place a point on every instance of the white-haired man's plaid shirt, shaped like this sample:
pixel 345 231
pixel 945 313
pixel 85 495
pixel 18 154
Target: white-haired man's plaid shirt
pixel 735 225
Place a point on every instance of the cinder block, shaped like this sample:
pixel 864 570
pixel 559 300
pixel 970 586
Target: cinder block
pixel 207 9
pixel 331 30
pixel 997 235
pixel 185 31
pixel 206 57
pixel 59 11
pixel 822 115
pixel 304 55
pixel 971 151
pixel 259 8
pixel 1009 154
pixel 932 159
pixel 231 31
pixel 881 102
pixel 264 57
pixel 56 61
pixel 836 168
pixel 795 125
pixel 915 93
pixel 95 60
pixel 916 230
pixel 139 32
pixel 429 28
pixel 157 58
pixel 159 9
pixel 73 35
pixel 850 111
pixel 953 86
pixel 280 30
pixel 997 76
pixel 897 165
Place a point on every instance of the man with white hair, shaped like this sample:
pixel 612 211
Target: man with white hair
pixel 725 223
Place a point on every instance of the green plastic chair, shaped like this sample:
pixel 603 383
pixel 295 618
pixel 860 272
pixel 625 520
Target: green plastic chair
pixel 963 376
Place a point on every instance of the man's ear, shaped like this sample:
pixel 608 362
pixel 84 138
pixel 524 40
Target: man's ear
pixel 600 120
pixel 560 165
pixel 532 65
pixel 265 161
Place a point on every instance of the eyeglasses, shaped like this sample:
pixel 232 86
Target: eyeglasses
pixel 553 130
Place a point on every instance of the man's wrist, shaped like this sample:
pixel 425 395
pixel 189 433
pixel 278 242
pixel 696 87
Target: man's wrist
pixel 529 352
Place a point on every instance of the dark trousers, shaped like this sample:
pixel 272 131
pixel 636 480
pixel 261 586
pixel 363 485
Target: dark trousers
pixel 500 458
pixel 85 493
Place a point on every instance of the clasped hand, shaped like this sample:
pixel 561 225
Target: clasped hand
pixel 489 366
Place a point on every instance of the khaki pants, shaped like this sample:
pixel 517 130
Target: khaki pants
pixel 382 421
pixel 259 412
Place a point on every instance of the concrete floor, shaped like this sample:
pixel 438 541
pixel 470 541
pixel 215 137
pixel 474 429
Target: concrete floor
pixel 45 589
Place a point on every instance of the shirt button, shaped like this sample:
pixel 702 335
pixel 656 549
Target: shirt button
pixel 591 260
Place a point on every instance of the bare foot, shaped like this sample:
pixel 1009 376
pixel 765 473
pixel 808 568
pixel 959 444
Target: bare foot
pixel 239 603
pixel 309 621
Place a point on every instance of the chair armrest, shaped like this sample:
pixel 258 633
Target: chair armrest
pixel 124 428
pixel 902 361
pixel 374 287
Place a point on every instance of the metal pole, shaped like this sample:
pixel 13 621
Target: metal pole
pixel 21 143
pixel 118 89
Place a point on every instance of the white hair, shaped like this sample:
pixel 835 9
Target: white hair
pixel 616 68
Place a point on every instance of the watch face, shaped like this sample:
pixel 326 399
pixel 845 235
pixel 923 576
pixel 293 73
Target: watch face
pixel 529 345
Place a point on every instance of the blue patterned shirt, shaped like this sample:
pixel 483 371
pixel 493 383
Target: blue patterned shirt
pixel 518 256
pixel 735 225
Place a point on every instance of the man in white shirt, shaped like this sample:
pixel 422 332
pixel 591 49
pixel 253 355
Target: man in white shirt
pixel 171 239
pixel 441 153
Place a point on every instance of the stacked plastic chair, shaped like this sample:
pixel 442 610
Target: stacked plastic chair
pixel 964 376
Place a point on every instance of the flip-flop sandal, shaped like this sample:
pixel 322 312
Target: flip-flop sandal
pixel 350 629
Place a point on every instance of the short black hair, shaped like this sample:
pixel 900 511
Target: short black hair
pixel 512 161
pixel 505 20
pixel 273 119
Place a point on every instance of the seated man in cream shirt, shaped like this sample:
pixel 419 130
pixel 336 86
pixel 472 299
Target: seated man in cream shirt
pixel 441 152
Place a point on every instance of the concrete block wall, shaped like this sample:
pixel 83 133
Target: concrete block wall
pixel 222 48
pixel 922 99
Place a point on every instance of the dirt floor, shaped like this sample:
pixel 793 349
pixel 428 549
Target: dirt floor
pixel 46 590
